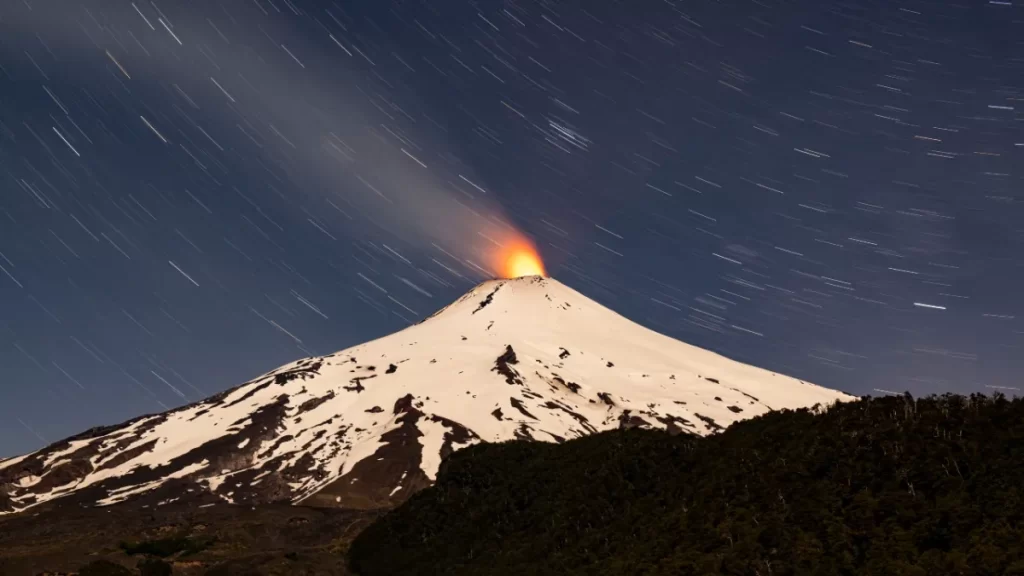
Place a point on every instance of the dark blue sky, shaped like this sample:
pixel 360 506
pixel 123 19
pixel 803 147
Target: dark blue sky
pixel 196 192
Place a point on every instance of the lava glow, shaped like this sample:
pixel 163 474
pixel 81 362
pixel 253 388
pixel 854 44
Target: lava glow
pixel 518 258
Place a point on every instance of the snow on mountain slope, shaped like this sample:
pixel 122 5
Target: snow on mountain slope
pixel 527 358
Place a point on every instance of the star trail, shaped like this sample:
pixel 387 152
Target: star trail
pixel 194 193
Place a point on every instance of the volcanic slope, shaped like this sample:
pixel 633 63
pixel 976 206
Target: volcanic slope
pixel 366 427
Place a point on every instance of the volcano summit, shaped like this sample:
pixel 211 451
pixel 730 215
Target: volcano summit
pixel 366 427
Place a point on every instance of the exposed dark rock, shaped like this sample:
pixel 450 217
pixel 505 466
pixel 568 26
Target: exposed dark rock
pixel 518 405
pixel 316 436
pixel 391 369
pixel 249 393
pixel 606 398
pixel 456 434
pixel 524 432
pixel 503 366
pixel 301 470
pixel 675 424
pixel 277 444
pixel 357 383
pixel 736 409
pixel 754 398
pixel 95 432
pixel 627 421
pixel 570 385
pixel 304 372
pixel 119 455
pixel 487 299
pixel 563 354
pixel 403 404
pixel 63 474
pixel 199 413
pixel 314 402
pixel 712 425
pixel 578 417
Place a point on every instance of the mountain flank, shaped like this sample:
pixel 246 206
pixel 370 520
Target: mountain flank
pixel 366 427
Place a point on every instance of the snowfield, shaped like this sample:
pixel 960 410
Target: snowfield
pixel 527 358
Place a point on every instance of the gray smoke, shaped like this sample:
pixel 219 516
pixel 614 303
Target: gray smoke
pixel 330 130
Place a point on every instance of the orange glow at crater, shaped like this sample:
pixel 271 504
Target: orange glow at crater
pixel 517 258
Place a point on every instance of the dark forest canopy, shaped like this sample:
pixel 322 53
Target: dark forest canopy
pixel 886 486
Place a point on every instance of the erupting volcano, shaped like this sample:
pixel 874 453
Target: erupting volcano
pixel 526 358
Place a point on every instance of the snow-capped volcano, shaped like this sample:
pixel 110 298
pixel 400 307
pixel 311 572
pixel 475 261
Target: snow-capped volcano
pixel 528 358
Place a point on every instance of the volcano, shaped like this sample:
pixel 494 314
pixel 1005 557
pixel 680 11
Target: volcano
pixel 526 358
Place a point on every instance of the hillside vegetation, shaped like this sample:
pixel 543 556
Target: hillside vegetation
pixel 881 486
pixel 141 538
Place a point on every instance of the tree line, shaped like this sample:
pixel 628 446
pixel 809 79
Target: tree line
pixel 880 486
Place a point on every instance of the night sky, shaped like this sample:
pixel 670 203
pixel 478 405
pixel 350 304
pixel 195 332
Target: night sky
pixel 193 193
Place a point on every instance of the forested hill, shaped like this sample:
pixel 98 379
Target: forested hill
pixel 880 486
